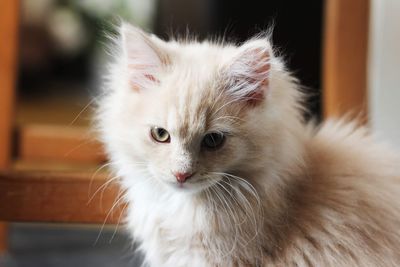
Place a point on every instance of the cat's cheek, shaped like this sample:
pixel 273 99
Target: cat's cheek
pixel 226 158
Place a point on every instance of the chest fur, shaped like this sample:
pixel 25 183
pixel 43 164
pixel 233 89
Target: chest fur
pixel 171 235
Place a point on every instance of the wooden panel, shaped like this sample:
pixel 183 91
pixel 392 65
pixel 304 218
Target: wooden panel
pixel 55 109
pixel 8 49
pixel 50 166
pixel 59 143
pixel 58 197
pixel 345 57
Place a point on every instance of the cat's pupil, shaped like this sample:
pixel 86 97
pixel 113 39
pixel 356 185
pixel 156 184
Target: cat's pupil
pixel 213 140
pixel 161 132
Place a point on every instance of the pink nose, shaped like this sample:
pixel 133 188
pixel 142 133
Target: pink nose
pixel 181 177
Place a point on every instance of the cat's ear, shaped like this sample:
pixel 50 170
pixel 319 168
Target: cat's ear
pixel 249 71
pixel 142 55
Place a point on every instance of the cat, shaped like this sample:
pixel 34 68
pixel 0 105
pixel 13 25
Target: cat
pixel 219 167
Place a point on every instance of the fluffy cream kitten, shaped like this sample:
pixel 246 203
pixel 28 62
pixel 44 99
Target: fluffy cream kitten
pixel 219 168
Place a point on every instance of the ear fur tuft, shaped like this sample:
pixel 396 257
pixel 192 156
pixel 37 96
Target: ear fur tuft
pixel 249 71
pixel 143 57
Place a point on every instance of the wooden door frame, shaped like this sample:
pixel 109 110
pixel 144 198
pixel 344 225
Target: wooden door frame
pixel 345 50
pixel 9 19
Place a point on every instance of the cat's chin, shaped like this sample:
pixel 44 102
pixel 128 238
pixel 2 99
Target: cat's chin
pixel 189 187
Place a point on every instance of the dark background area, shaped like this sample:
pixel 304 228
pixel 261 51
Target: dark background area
pixel 297 36
pixel 297 30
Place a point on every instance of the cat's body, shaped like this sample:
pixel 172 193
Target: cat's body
pixel 274 192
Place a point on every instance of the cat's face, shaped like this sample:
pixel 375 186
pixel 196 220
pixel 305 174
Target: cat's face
pixel 187 143
pixel 186 115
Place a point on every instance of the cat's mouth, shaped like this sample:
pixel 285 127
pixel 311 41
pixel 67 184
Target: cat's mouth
pixel 195 184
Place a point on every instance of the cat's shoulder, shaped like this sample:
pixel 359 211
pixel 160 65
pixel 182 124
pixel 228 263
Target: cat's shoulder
pixel 350 142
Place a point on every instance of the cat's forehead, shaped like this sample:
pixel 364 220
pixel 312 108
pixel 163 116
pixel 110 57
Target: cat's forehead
pixel 190 86
pixel 191 93
pixel 189 109
pixel 201 57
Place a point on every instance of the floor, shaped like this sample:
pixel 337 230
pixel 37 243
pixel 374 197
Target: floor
pixel 60 246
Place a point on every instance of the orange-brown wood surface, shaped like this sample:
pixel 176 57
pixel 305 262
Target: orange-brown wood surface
pixel 8 50
pixel 59 197
pixel 8 64
pixel 8 53
pixel 58 143
pixel 345 57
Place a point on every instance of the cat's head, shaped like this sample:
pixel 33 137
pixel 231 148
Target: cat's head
pixel 188 114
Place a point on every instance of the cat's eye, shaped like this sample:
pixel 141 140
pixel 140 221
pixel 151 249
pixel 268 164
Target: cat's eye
pixel 160 135
pixel 213 141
